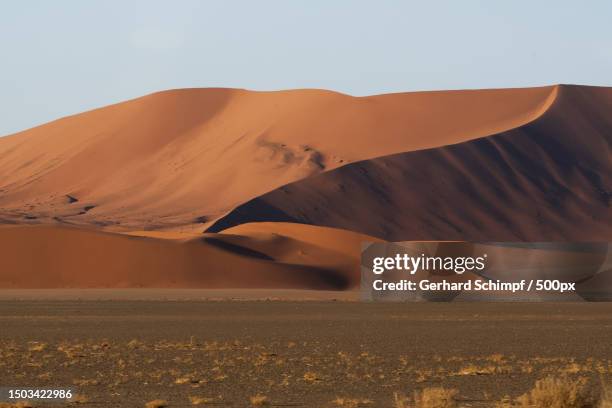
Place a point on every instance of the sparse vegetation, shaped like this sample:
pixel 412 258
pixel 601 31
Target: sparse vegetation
pixel 558 392
pixel 200 400
pixel 156 404
pixel 506 402
pixel 19 404
pixel 345 402
pixel 79 399
pixel 401 401
pixel 36 346
pixel 311 377
pixel 281 370
pixel 606 397
pixel 259 400
pixel 435 397
pixel 472 369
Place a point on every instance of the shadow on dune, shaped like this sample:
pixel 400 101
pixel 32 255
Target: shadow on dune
pixel 236 249
pixel 548 180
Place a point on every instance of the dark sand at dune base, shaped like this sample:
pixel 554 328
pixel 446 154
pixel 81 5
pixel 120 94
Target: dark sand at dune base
pixel 304 354
pixel 164 294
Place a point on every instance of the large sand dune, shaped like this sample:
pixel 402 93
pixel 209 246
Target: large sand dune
pixel 164 190
pixel 188 157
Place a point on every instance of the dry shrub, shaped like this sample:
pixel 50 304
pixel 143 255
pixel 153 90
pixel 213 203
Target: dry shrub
pixel 79 399
pixel 472 369
pixel 400 400
pixel 200 400
pixel 19 404
pixel 606 397
pixel 351 402
pixel 156 404
pixel 506 402
pixel 311 377
pixel 259 400
pixel 134 344
pixel 36 346
pixel 558 392
pixel 183 380
pixel 435 397
pixel 496 358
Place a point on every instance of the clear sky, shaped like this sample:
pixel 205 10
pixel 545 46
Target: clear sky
pixel 65 56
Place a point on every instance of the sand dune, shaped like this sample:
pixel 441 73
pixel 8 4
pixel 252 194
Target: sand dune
pixel 218 188
pixel 547 180
pixel 182 159
pixel 56 257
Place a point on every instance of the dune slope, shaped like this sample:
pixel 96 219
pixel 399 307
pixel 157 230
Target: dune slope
pixel 549 179
pixel 182 159
pixel 271 257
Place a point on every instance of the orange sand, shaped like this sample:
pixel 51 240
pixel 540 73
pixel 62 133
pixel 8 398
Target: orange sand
pixel 121 196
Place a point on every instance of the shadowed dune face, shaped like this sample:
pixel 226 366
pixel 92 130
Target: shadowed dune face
pixel 56 257
pixel 550 179
pixel 186 157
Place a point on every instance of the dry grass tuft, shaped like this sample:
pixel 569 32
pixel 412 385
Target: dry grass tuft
pixel 506 402
pixel 472 369
pixel 200 400
pixel 156 404
pixel 183 380
pixel 134 344
pixel 37 346
pixel 19 404
pixel 435 397
pixel 259 400
pixel 606 397
pixel 496 358
pixel 311 377
pixel 79 399
pixel 558 392
pixel 84 382
pixel 400 400
pixel 351 402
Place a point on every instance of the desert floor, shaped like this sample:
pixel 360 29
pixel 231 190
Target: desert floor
pixel 296 353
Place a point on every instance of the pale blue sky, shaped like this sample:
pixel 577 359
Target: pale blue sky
pixel 65 56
